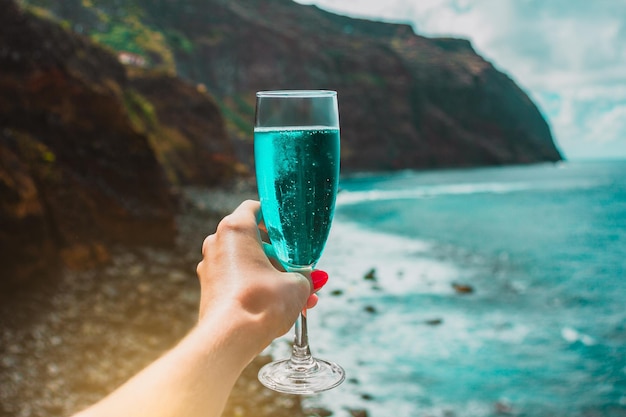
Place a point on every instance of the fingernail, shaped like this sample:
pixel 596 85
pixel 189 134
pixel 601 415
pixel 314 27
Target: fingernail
pixel 319 278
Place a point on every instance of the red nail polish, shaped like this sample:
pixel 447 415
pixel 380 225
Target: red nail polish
pixel 319 278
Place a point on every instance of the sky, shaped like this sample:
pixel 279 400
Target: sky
pixel 568 55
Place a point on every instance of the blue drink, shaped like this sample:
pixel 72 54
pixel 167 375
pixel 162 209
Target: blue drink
pixel 297 171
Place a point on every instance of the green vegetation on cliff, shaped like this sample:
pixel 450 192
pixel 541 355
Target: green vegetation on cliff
pixel 406 101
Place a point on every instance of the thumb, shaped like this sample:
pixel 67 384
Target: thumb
pixel 317 279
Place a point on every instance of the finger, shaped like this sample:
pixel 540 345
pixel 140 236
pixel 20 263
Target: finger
pixel 259 220
pixel 243 218
pixel 259 215
pixel 319 278
pixel 206 243
pixel 312 301
pixel 271 255
pixel 241 226
pixel 262 227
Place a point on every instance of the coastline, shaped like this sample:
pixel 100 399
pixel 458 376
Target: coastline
pixel 421 316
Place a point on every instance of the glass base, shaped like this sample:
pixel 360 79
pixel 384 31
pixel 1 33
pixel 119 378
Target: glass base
pixel 290 377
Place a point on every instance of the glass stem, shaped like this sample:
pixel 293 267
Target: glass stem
pixel 301 354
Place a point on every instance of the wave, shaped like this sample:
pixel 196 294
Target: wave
pixel 355 197
pixel 572 336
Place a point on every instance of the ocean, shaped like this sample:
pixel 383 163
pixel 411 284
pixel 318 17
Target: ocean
pixel 477 292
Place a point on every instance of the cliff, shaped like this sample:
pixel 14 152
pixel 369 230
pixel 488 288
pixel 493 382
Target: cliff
pixel 406 101
pixel 86 161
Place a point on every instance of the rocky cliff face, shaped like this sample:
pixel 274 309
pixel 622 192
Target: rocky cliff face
pixel 406 101
pixel 91 149
pixel 86 161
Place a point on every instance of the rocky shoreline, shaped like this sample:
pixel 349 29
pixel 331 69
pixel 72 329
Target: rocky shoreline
pixel 66 344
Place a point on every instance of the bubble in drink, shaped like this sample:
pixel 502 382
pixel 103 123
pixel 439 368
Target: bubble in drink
pixel 297 176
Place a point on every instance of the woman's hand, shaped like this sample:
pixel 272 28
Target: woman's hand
pixel 237 278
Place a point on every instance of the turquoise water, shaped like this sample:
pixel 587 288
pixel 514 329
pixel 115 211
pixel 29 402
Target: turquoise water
pixel 543 333
pixel 297 172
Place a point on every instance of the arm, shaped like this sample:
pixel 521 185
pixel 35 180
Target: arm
pixel 245 303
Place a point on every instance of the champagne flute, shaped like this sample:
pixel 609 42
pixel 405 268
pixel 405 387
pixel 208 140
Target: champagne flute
pixel 296 151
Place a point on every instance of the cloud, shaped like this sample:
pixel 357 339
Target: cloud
pixel 610 126
pixel 569 55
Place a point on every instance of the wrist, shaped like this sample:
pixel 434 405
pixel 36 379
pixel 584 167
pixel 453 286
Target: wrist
pixel 234 333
